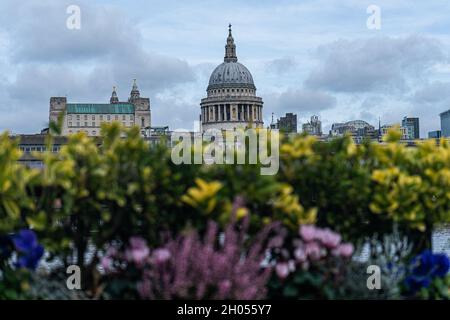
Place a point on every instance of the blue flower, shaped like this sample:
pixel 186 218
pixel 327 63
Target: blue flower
pixel 426 267
pixel 30 260
pixel 442 265
pixel 30 251
pixel 415 283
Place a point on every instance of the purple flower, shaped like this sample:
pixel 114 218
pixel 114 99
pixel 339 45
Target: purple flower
pixel 300 255
pixel 137 252
pixel 210 266
pixel 313 251
pixel 282 270
pixel 161 255
pixel 329 238
pixel 30 251
pixel 344 250
pixel 308 232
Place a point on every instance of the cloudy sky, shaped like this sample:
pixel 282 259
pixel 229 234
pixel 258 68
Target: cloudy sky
pixel 308 57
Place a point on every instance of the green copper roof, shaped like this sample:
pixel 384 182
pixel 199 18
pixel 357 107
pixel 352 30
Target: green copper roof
pixel 106 108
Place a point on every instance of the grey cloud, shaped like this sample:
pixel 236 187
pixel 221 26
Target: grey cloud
pixel 302 100
pixel 282 65
pixel 377 64
pixel 428 102
pixel 435 92
pixel 42 34
pixel 107 39
pixel 176 113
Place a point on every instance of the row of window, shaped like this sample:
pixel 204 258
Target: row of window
pixel 101 117
pixel 29 149
pixel 232 90
pixel 226 113
pixel 94 132
pixel 93 124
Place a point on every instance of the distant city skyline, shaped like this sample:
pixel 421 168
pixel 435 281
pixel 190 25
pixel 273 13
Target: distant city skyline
pixel 308 58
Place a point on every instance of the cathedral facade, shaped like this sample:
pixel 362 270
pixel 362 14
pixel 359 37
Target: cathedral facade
pixel 88 117
pixel 231 100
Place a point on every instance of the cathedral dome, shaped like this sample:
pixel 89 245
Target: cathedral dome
pixel 231 74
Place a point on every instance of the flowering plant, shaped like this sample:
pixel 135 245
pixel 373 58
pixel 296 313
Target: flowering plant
pixel 19 254
pixel 312 265
pixel 219 266
pixel 428 276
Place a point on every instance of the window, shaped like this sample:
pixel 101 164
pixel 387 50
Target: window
pixel 78 117
pixel 142 122
pixel 85 124
pixel 109 117
pixel 85 117
pixel 69 117
pixel 94 133
pixel 124 117
pixel 93 117
pixel 116 117
pixel 93 124
pixel 78 124
pixel 101 117
pixel 70 123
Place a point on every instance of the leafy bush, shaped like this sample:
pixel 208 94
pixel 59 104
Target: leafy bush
pixel 101 192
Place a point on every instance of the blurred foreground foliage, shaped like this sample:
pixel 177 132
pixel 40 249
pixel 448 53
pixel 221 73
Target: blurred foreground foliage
pixel 91 195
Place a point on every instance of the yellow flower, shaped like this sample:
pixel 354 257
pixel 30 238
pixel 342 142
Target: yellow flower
pixel 241 213
pixel 203 194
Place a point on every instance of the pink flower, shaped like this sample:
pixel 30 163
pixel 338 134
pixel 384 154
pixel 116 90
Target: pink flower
pixel 313 251
pixel 224 287
pixel 330 239
pixel 282 270
pixel 161 255
pixel 138 251
pixel 300 255
pixel 345 250
pixel 308 232
pixel 106 263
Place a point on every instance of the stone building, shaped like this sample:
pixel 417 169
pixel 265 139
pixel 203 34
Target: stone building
pixel 88 117
pixel 403 130
pixel 288 123
pixel 231 100
pixel 445 123
pixel 313 127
